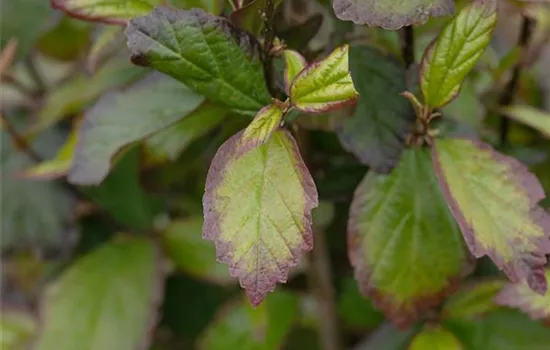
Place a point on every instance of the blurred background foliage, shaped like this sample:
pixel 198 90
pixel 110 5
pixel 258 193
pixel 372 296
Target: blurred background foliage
pixel 54 68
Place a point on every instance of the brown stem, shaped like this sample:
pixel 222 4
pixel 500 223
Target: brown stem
pixel 507 96
pixel 269 35
pixel 321 283
pixel 407 45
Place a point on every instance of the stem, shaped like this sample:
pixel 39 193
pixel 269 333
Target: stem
pixel 35 75
pixel 269 36
pixel 507 96
pixel 321 283
pixel 20 141
pixel 407 45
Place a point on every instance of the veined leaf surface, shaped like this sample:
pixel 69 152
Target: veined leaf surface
pixel 109 11
pixel 257 208
pixel 324 85
pixel 264 124
pixel 494 199
pixel 205 52
pixel 294 64
pixel 399 228
pixel 452 56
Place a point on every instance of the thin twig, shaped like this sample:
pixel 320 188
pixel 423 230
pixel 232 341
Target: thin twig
pixel 20 141
pixel 507 96
pixel 269 35
pixel 407 45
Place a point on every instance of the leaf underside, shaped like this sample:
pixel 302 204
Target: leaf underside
pixel 391 14
pixel 495 199
pixel 522 297
pixel 205 52
pixel 257 208
pixel 399 228
pixel 376 132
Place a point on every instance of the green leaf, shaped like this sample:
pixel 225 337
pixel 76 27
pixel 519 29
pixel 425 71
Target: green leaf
pixel 257 208
pixel 494 199
pixel 399 228
pixel 294 64
pixel 205 52
pixel 17 326
pixel 108 11
pixel 60 164
pixel 391 14
pixel 126 116
pixel 168 143
pixel 34 214
pixel 324 85
pixel 212 6
pixel 533 117
pixel 471 302
pixel 105 300
pixel 388 337
pixel 121 194
pixel 503 329
pixel 79 91
pixel 264 124
pixel 383 118
pixel 452 56
pixel 66 41
pixel 190 253
pixel 355 310
pixel 107 39
pixel 23 20
pixel 240 326
pixel 435 338
pixel 298 36
pixel 522 297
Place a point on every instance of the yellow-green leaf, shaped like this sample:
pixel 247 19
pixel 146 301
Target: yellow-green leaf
pixel 294 64
pixel 107 299
pixel 58 165
pixel 472 301
pixel 16 328
pixel 495 199
pixel 108 11
pixel 522 297
pixel 257 208
pixel 264 124
pixel 324 85
pixel 436 338
pixel 531 116
pixel 450 58
pixel 399 228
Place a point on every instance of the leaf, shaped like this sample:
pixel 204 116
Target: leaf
pixel 324 85
pixel 377 131
pixel 262 127
pixel 294 64
pixel 66 41
pixel 391 14
pixel 533 117
pixel 205 52
pixel 190 253
pixel 17 327
pixel 388 337
pixel 121 194
pixel 522 297
pixel 452 56
pixel 60 164
pixel 23 20
pixel 503 329
pixel 355 310
pixel 212 6
pixel 72 96
pixel 126 116
pixel 265 196
pixel 106 40
pixel 494 199
pixel 240 326
pixel 435 338
pixel 400 227
pixel 297 37
pixel 168 143
pixel 108 11
pixel 105 300
pixel 34 214
pixel 471 302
